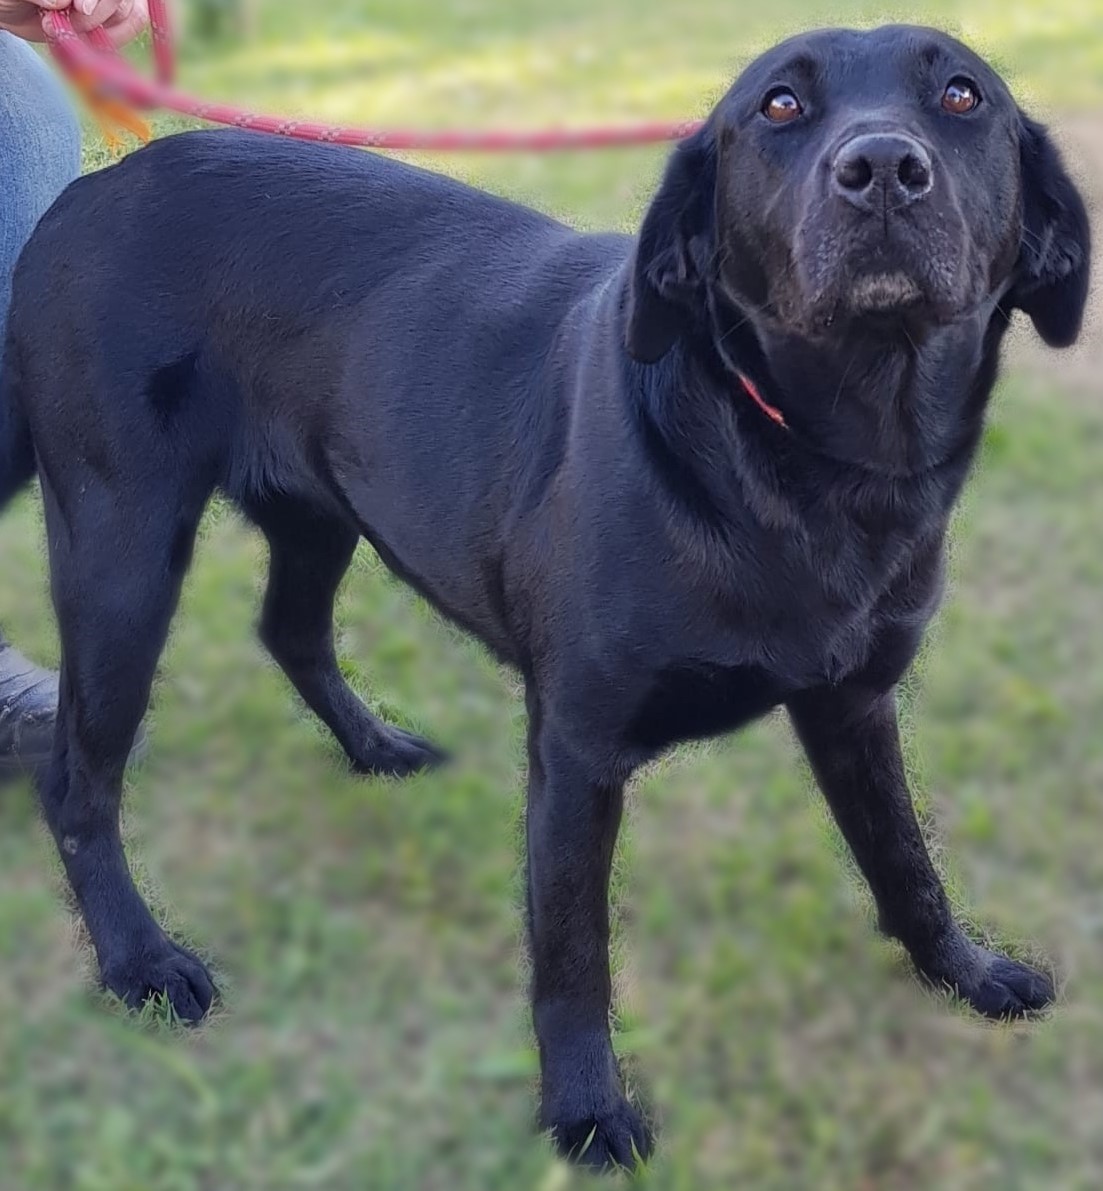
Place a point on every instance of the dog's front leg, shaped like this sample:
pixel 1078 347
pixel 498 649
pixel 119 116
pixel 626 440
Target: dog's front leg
pixel 852 739
pixel 573 820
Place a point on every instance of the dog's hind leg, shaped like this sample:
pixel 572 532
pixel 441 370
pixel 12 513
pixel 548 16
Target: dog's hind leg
pixel 310 552
pixel 117 562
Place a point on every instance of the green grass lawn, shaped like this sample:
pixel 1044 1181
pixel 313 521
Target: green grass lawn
pixel 368 935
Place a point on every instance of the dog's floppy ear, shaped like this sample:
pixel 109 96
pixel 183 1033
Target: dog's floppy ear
pixel 674 246
pixel 1051 283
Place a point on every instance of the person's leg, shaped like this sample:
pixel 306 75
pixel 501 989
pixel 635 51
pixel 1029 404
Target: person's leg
pixel 39 149
pixel 39 157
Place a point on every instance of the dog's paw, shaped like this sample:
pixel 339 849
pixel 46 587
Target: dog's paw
pixel 613 1138
pixel 163 968
pixel 998 987
pixel 1008 989
pixel 395 753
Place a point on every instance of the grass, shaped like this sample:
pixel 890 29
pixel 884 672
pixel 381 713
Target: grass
pixel 367 935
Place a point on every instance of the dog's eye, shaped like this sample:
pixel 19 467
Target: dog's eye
pixel 960 97
pixel 781 106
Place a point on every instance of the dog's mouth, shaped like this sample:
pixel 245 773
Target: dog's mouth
pixel 917 270
pixel 880 297
pixel 884 293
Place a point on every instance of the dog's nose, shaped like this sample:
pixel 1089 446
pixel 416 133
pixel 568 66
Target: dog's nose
pixel 882 169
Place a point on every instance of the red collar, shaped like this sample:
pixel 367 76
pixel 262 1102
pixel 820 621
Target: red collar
pixel 771 411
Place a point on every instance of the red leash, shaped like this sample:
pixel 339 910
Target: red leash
pixel 93 60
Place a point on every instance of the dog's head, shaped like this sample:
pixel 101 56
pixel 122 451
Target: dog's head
pixel 862 180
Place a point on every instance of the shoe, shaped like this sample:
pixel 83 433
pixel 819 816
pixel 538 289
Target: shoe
pixel 28 709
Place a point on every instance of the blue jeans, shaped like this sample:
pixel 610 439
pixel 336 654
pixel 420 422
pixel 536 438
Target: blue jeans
pixel 39 152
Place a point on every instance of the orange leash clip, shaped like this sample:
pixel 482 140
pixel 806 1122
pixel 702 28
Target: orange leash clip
pixel 113 114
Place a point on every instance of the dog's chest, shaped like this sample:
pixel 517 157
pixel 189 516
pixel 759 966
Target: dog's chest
pixel 688 698
pixel 817 617
pixel 799 633
pixel 694 700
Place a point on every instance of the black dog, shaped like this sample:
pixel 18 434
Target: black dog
pixel 676 480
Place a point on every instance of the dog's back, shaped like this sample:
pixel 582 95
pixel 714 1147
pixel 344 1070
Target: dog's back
pixel 281 316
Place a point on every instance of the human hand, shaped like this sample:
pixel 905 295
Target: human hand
pixel 122 20
pixel 24 17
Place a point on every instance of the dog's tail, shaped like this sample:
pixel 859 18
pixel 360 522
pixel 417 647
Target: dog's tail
pixel 17 461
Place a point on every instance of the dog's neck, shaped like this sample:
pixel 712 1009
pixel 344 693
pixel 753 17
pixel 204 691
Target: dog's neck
pixel 889 403
pixel 873 416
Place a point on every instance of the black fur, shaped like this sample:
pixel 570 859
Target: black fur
pixel 547 435
pixel 1052 280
